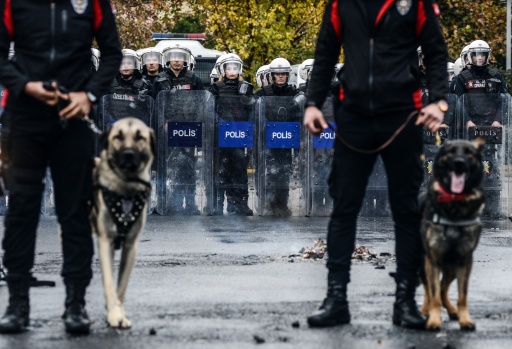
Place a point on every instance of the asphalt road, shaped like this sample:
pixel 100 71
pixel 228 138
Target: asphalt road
pixel 228 282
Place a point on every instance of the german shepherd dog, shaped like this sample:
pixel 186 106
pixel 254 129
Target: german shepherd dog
pixel 121 180
pixel 451 229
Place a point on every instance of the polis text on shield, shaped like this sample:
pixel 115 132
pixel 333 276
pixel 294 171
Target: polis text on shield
pixel 282 135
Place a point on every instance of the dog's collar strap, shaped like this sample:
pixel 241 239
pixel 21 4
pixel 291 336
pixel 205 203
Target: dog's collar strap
pixel 124 211
pixel 437 219
pixel 446 196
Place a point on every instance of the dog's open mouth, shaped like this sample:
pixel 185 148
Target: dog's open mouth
pixel 457 182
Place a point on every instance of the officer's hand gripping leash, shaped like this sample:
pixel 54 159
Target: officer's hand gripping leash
pixel 63 103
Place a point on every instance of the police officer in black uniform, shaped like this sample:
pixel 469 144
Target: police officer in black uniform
pixel 50 88
pixel 129 80
pixel 152 64
pixel 378 95
pixel 281 159
pixel 232 163
pixel 177 76
pixel 480 79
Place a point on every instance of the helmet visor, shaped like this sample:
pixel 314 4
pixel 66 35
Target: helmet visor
pixel 151 58
pixel 177 56
pixel 232 68
pixel 479 58
pixel 128 62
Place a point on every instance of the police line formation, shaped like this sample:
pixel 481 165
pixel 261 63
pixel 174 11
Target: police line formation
pixel 230 151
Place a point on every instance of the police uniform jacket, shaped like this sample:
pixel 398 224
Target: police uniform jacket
pixel 381 63
pixel 53 41
pixel 274 90
pixel 488 80
pixel 186 80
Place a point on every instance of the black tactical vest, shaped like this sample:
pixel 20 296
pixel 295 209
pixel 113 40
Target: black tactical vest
pixel 479 85
pixel 227 89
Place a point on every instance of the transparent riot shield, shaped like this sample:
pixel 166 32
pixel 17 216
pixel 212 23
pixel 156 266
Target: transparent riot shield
pixel 487 115
pixel 116 106
pixel 184 176
pixel 234 190
pixel 432 142
pixel 282 148
pixel 4 200
pixel 320 154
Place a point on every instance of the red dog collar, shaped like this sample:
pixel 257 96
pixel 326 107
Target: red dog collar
pixel 445 196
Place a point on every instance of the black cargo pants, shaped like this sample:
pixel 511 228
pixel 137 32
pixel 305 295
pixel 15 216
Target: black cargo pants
pixel 36 141
pixel 349 178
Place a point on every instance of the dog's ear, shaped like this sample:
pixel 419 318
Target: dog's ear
pixel 104 139
pixel 152 140
pixel 479 143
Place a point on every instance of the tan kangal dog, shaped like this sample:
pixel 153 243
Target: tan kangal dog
pixel 121 180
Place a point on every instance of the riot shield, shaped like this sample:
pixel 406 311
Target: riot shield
pixel 233 161
pixel 319 160
pixel 184 177
pixel 116 106
pixel 487 115
pixel 282 151
pixel 432 141
pixel 4 200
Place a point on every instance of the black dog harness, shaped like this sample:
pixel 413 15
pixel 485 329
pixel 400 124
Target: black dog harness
pixel 125 211
pixel 437 219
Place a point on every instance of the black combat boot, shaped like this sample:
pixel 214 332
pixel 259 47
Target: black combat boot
pixel 405 309
pixel 334 309
pixel 75 317
pixel 16 319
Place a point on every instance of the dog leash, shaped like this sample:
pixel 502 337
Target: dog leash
pixel 47 85
pixel 384 145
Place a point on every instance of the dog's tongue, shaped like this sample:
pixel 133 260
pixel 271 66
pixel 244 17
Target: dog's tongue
pixel 457 185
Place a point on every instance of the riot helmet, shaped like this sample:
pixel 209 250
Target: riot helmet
pixel 279 66
pixel 337 68
pixel 229 65
pixel 192 63
pixel 457 67
pixel 260 75
pixel 177 53
pixel 306 68
pixel 129 63
pixel 450 69
pixel 152 60
pixel 95 58
pixel 214 76
pixel 464 56
pixel 479 53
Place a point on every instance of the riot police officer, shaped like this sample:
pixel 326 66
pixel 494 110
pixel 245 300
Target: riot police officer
pixel 480 79
pixel 177 75
pixel 231 163
pixel 305 70
pixel 477 60
pixel 277 198
pixel 129 80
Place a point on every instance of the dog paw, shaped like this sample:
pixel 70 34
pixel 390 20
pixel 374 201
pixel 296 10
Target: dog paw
pixel 115 317
pixel 467 326
pixel 433 325
pixel 125 323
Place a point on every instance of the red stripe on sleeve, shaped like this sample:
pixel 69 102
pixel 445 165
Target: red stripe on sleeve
pixel 383 10
pixel 4 98
pixel 421 18
pixel 341 94
pixel 98 15
pixel 8 18
pixel 335 20
pixel 416 97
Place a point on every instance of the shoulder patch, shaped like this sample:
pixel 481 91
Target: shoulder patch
pixel 435 7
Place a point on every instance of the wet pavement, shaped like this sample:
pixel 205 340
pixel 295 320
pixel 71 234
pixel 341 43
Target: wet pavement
pixel 228 282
